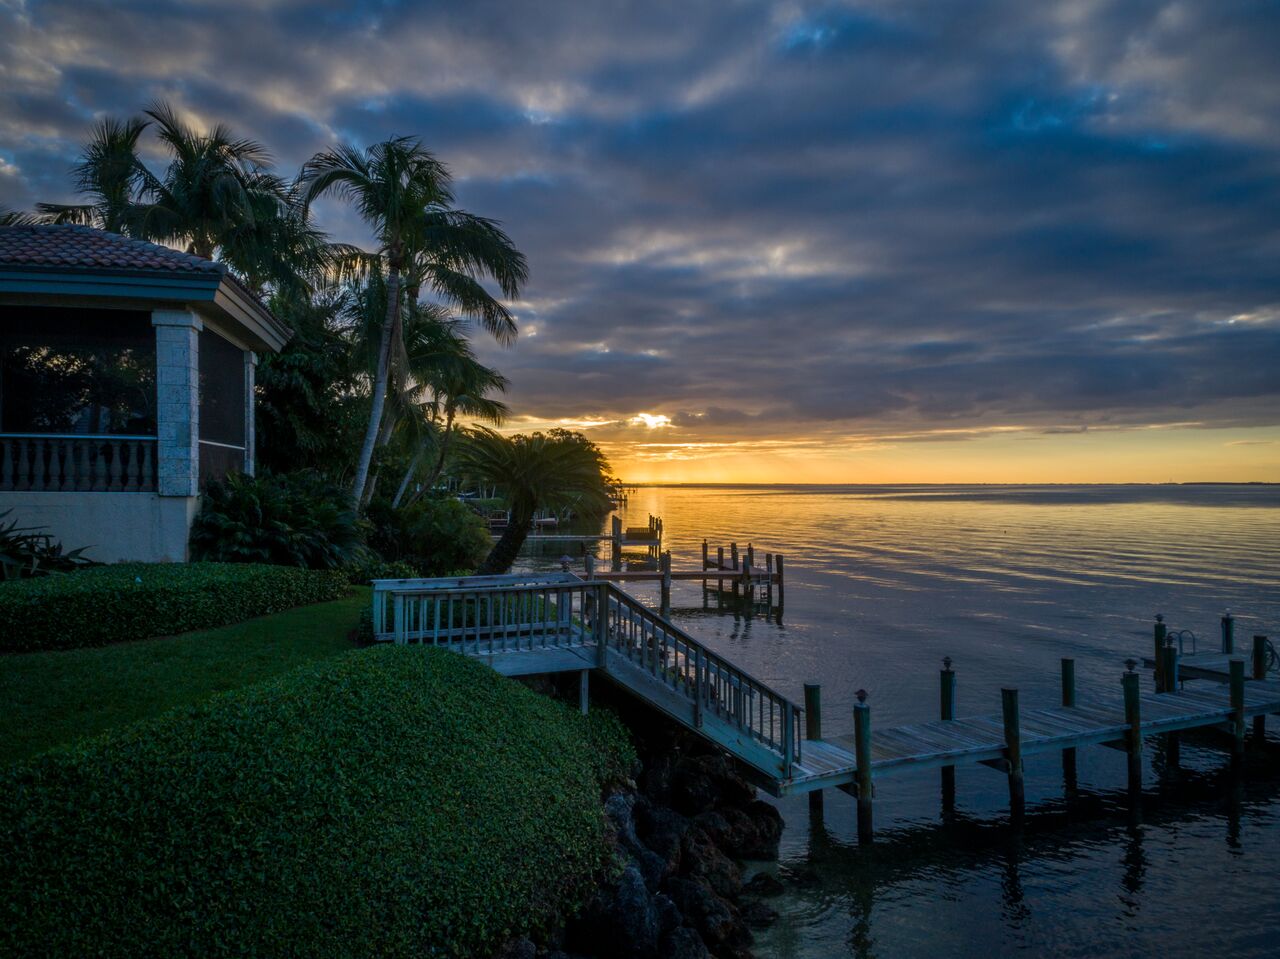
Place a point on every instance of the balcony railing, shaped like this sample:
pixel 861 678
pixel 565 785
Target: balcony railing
pixel 53 463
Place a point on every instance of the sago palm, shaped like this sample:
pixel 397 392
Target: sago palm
pixel 532 472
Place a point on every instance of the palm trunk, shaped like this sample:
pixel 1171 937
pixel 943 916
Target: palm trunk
pixel 408 476
pixel 379 385
pixel 506 549
pixel 444 449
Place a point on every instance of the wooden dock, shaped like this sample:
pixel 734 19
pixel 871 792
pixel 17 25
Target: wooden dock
pixel 561 622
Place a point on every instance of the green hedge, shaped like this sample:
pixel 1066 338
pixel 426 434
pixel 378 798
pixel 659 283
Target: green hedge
pixel 399 801
pixel 108 604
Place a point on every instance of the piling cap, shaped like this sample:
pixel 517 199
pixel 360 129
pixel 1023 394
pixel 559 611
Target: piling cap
pixel 1226 614
pixel 1130 664
pixel 862 695
pixel 946 663
pixel 1159 617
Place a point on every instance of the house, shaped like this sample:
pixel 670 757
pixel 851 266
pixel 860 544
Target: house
pixel 126 385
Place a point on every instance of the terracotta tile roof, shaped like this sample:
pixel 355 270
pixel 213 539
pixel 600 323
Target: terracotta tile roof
pixel 87 248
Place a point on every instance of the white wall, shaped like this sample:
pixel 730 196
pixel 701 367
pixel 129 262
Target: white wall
pixel 116 526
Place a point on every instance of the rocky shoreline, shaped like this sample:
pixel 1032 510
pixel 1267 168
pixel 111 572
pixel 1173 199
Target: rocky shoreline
pixel 680 830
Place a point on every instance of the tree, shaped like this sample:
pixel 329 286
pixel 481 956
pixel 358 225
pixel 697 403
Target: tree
pixel 456 384
pixel 217 198
pixel 532 472
pixel 110 174
pixel 405 194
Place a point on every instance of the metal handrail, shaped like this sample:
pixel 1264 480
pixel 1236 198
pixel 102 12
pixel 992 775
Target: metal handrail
pixel 501 614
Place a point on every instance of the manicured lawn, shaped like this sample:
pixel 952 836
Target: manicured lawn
pixel 53 698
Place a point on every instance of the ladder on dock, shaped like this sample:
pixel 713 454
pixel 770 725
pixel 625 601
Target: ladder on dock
pixel 548 623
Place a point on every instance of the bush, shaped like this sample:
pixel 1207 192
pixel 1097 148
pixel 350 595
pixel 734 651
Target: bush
pixel 365 571
pixel 434 535
pixel 26 552
pixel 109 604
pixel 399 801
pixel 292 519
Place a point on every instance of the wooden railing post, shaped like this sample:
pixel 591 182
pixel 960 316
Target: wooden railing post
pixel 788 738
pixel 777 561
pixel 862 756
pixel 1169 665
pixel 1013 749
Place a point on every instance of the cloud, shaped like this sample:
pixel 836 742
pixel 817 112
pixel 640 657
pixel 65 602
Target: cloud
pixel 794 223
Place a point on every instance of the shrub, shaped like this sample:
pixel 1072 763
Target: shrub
pixel 365 571
pixel 109 604
pixel 399 801
pixel 434 535
pixel 292 519
pixel 26 552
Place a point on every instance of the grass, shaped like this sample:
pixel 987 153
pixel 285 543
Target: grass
pixel 400 801
pixel 54 698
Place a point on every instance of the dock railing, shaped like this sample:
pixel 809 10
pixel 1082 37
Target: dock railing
pixel 491 615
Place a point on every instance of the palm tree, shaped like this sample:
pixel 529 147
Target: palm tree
pixel 217 198
pixel 532 472
pixel 456 384
pixel 111 174
pixel 405 194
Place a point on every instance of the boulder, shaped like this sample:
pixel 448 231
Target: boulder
pixel 713 918
pixel 700 857
pixel 619 921
pixel 683 943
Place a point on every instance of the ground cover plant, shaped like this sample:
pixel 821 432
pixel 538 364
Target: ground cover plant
pixel 398 801
pixel 54 698
pixel 110 604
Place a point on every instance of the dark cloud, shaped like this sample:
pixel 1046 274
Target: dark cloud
pixel 774 220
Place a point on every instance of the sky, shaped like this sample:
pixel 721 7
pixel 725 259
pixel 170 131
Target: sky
pixel 907 241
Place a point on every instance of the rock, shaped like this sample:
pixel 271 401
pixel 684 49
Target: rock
pixel 700 783
pixel 619 808
pixel 757 914
pixel 666 913
pixel 764 884
pixel 683 943
pixel 702 858
pixel 663 830
pixel 711 916
pixel 619 921
pixel 761 842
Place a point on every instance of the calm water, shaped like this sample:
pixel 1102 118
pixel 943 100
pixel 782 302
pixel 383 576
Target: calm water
pixel 882 582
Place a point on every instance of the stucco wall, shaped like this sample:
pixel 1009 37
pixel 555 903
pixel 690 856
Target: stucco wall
pixel 116 526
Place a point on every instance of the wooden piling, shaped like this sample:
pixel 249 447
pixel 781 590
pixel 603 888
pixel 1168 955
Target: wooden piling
pixel 720 565
pixel 1069 700
pixel 616 537
pixel 704 566
pixel 768 568
pixel 584 699
pixel 1237 709
pixel 1169 666
pixel 1260 672
pixel 590 564
pixel 1013 750
pixel 1159 633
pixel 1228 633
pixel 813 730
pixel 1133 719
pixel 733 547
pixel 664 564
pixel 947 690
pixel 751 555
pixel 777 561
pixel 862 757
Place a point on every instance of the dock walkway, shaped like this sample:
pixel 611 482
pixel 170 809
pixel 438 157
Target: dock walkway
pixel 549 623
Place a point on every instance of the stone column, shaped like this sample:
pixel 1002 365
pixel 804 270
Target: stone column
pixel 178 401
pixel 250 378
